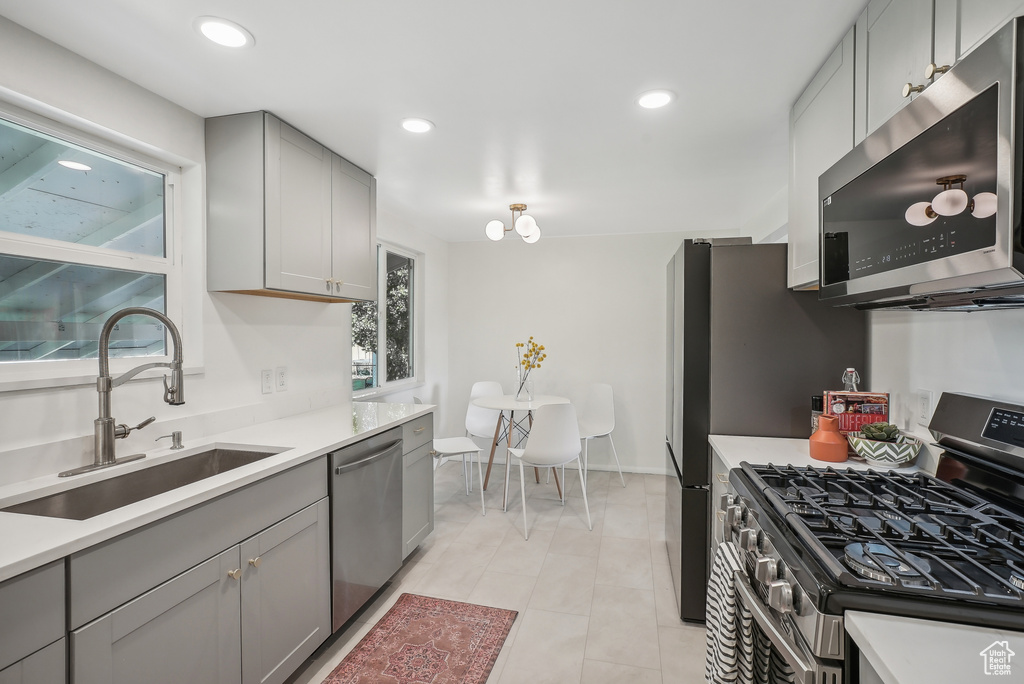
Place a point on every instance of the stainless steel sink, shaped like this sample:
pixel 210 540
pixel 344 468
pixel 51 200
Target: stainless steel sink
pixel 82 503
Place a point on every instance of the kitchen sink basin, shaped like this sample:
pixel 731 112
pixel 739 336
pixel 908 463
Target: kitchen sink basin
pixel 82 503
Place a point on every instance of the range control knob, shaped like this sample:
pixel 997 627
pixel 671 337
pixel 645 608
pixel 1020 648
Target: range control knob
pixel 748 539
pixel 764 570
pixel 732 515
pixel 780 596
pixel 726 501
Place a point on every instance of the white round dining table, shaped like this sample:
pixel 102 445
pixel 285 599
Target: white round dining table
pixel 507 403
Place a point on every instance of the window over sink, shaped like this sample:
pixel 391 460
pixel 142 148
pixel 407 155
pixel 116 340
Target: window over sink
pixel 85 230
pixel 388 324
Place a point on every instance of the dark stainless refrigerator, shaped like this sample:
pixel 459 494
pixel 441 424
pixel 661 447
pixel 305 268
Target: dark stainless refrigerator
pixel 744 356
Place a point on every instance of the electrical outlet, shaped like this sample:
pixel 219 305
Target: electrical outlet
pixel 924 406
pixel 267 380
pixel 282 378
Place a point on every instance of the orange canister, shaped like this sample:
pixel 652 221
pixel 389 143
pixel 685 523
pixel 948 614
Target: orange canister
pixel 827 443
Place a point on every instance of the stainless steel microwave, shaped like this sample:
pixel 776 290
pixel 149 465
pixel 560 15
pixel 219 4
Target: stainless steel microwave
pixel 925 213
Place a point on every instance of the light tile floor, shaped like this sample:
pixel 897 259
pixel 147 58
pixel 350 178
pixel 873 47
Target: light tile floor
pixel 595 607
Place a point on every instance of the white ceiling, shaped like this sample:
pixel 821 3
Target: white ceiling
pixel 533 101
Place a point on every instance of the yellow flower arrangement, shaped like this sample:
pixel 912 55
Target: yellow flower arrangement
pixel 531 355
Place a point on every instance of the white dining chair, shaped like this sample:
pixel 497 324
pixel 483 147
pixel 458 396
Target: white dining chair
pixel 597 419
pixel 554 441
pixel 448 447
pixel 480 422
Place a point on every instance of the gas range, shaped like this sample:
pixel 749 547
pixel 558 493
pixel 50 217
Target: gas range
pixel 816 542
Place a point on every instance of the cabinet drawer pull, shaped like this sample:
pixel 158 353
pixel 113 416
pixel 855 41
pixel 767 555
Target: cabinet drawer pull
pixel 419 430
pixel 722 477
pixel 235 574
pixel 909 88
pixel 720 515
pixel 255 562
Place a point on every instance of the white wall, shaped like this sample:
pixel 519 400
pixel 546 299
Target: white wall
pixel 598 306
pixel 970 353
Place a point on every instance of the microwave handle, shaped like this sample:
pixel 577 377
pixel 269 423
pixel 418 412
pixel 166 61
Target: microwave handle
pixel 804 673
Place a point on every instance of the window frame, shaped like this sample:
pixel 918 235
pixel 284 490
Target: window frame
pixel 23 375
pixel 415 328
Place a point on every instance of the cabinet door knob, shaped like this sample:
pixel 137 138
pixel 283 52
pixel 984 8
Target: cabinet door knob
pixel 235 574
pixel 337 285
pixel 932 70
pixel 255 562
pixel 329 283
pixel 909 88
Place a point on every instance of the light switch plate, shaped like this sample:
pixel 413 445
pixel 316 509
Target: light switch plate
pixel 282 378
pixel 267 380
pixel 924 406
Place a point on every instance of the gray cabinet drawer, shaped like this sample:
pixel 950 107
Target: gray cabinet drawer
pixel 417 432
pixel 114 572
pixel 31 612
pixel 48 666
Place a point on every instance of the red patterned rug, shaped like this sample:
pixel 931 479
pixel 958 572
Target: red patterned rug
pixel 424 640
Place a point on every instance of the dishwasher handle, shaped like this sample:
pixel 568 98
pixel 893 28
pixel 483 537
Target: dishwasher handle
pixel 372 457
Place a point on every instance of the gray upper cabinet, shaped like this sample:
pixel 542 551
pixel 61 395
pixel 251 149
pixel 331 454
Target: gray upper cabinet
pixel 286 217
pixel 821 132
pixel 968 23
pixel 894 47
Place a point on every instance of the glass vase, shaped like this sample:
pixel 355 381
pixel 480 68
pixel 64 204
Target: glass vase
pixel 524 387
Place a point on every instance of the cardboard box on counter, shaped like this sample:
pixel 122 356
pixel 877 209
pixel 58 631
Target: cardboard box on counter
pixel 854 409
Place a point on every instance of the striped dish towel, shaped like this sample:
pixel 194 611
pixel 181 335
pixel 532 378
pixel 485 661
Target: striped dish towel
pixel 738 652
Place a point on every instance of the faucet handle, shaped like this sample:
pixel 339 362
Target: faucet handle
pixel 121 431
pixel 169 390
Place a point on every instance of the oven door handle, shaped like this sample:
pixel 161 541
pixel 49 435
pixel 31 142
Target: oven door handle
pixel 804 672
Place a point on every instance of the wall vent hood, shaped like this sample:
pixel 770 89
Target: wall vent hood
pixel 891 235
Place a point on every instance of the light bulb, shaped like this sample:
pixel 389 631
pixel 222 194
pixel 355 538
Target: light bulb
pixel 917 214
pixel 495 230
pixel 533 236
pixel 950 202
pixel 224 32
pixel 414 125
pixel 984 204
pixel 525 224
pixel 653 99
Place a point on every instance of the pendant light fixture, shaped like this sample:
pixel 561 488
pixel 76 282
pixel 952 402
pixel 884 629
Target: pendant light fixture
pixel 524 224
pixel 950 202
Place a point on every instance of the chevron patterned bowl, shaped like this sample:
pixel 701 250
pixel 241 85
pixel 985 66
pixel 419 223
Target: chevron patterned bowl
pixel 886 454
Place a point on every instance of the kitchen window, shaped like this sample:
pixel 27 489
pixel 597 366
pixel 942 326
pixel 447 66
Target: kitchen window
pixel 388 325
pixel 84 232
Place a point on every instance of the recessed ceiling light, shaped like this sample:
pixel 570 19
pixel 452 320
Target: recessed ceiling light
pixel 417 125
pixel 653 99
pixel 223 32
pixel 77 166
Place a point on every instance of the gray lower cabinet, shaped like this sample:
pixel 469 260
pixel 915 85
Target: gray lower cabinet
pixel 251 614
pixel 32 627
pixel 46 666
pixel 185 630
pixel 286 596
pixel 168 603
pixel 417 482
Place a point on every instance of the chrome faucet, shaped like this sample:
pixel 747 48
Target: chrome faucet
pixel 105 429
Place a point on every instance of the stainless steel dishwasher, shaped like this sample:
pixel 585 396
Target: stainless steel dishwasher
pixel 366 520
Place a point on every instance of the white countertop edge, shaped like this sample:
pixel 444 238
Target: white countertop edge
pixel 905 650
pixel 734 449
pixel 33 541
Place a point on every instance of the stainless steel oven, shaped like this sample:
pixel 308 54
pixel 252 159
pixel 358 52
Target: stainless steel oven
pixel 813 543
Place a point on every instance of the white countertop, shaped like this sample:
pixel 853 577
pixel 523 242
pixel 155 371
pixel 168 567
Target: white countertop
pixel 779 451
pixel 909 651
pixel 30 541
